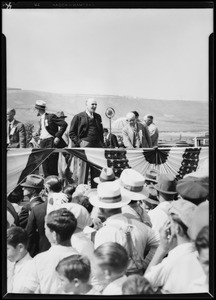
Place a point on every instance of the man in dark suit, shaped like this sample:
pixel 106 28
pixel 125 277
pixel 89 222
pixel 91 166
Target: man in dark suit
pixel 86 130
pixel 16 133
pixel 110 139
pixel 31 188
pixel 38 241
pixel 50 131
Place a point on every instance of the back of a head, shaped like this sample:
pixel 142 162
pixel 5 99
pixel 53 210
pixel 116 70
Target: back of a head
pixel 63 222
pixel 113 256
pixel 75 266
pixel 105 130
pixel 17 235
pixel 84 201
pixel 135 113
pixel 69 189
pixel 137 285
pixel 54 183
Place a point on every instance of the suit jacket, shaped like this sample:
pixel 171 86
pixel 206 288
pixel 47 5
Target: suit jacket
pixel 25 211
pixel 56 127
pixel 114 141
pixel 79 127
pixel 128 136
pixel 17 136
pixel 13 212
pixel 38 241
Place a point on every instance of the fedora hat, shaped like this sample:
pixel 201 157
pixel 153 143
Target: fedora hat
pixel 61 114
pixel 106 174
pixel 132 184
pixel 151 196
pixel 34 181
pixel 184 210
pixel 166 184
pixel 151 175
pixel 40 104
pixel 108 195
pixel 193 189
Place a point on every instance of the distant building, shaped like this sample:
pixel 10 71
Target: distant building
pixel 201 140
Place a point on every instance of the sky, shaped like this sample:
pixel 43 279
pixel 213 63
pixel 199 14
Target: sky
pixel 147 53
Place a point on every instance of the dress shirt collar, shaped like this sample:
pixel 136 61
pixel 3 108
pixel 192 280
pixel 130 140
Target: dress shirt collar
pixel 89 114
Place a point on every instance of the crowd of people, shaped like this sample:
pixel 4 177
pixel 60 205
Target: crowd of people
pixel 136 234
pixel 130 235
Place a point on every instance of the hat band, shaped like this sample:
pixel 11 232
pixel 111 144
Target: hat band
pixel 106 179
pixel 133 188
pixel 115 199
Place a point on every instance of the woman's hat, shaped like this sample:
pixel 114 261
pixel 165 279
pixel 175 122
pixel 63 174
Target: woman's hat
pixel 40 104
pixel 34 181
pixel 106 174
pixel 108 195
pixel 166 184
pixel 132 184
pixel 151 175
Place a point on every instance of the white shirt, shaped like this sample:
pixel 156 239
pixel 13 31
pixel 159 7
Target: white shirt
pixel 115 287
pixel 199 285
pixel 42 277
pixel 176 271
pixel 143 237
pixel 159 215
pixel 16 273
pixel 153 130
pixel 44 134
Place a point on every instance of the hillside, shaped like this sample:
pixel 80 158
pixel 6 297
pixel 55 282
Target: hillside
pixel 168 115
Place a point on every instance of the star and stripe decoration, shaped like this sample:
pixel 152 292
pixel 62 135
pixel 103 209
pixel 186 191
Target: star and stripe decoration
pixel 175 160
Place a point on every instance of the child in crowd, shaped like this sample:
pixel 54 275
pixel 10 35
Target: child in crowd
pixel 74 272
pixel 41 277
pixel 18 259
pixel 109 265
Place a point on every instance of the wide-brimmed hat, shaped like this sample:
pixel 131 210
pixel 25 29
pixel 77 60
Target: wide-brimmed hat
pixel 106 174
pixel 40 104
pixel 184 210
pixel 151 175
pixel 193 189
pixel 166 184
pixel 151 197
pixel 61 114
pixel 132 184
pixel 34 181
pixel 108 195
pixel 199 220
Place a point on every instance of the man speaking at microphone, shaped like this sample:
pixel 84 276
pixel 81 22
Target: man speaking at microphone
pixel 86 130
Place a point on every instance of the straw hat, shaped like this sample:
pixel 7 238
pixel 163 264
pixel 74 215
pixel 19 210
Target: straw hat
pixel 106 174
pixel 108 195
pixel 61 114
pixel 34 181
pixel 40 104
pixel 132 185
pixel 151 197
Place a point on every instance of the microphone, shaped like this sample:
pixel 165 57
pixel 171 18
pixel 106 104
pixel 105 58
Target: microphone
pixel 110 112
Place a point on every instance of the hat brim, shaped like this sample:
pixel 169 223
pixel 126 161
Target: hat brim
pixel 149 179
pixel 31 186
pixel 152 201
pixel 97 180
pixel 94 200
pixel 162 191
pixel 135 196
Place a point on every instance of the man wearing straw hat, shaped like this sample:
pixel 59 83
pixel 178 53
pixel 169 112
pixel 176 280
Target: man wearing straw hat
pixel 50 131
pixel 110 201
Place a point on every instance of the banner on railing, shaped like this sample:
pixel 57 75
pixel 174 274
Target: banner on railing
pixel 175 160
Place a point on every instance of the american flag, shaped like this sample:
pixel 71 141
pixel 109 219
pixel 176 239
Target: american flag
pixel 175 160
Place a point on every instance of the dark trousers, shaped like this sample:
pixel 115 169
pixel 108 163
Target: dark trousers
pixel 50 165
pixel 84 167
